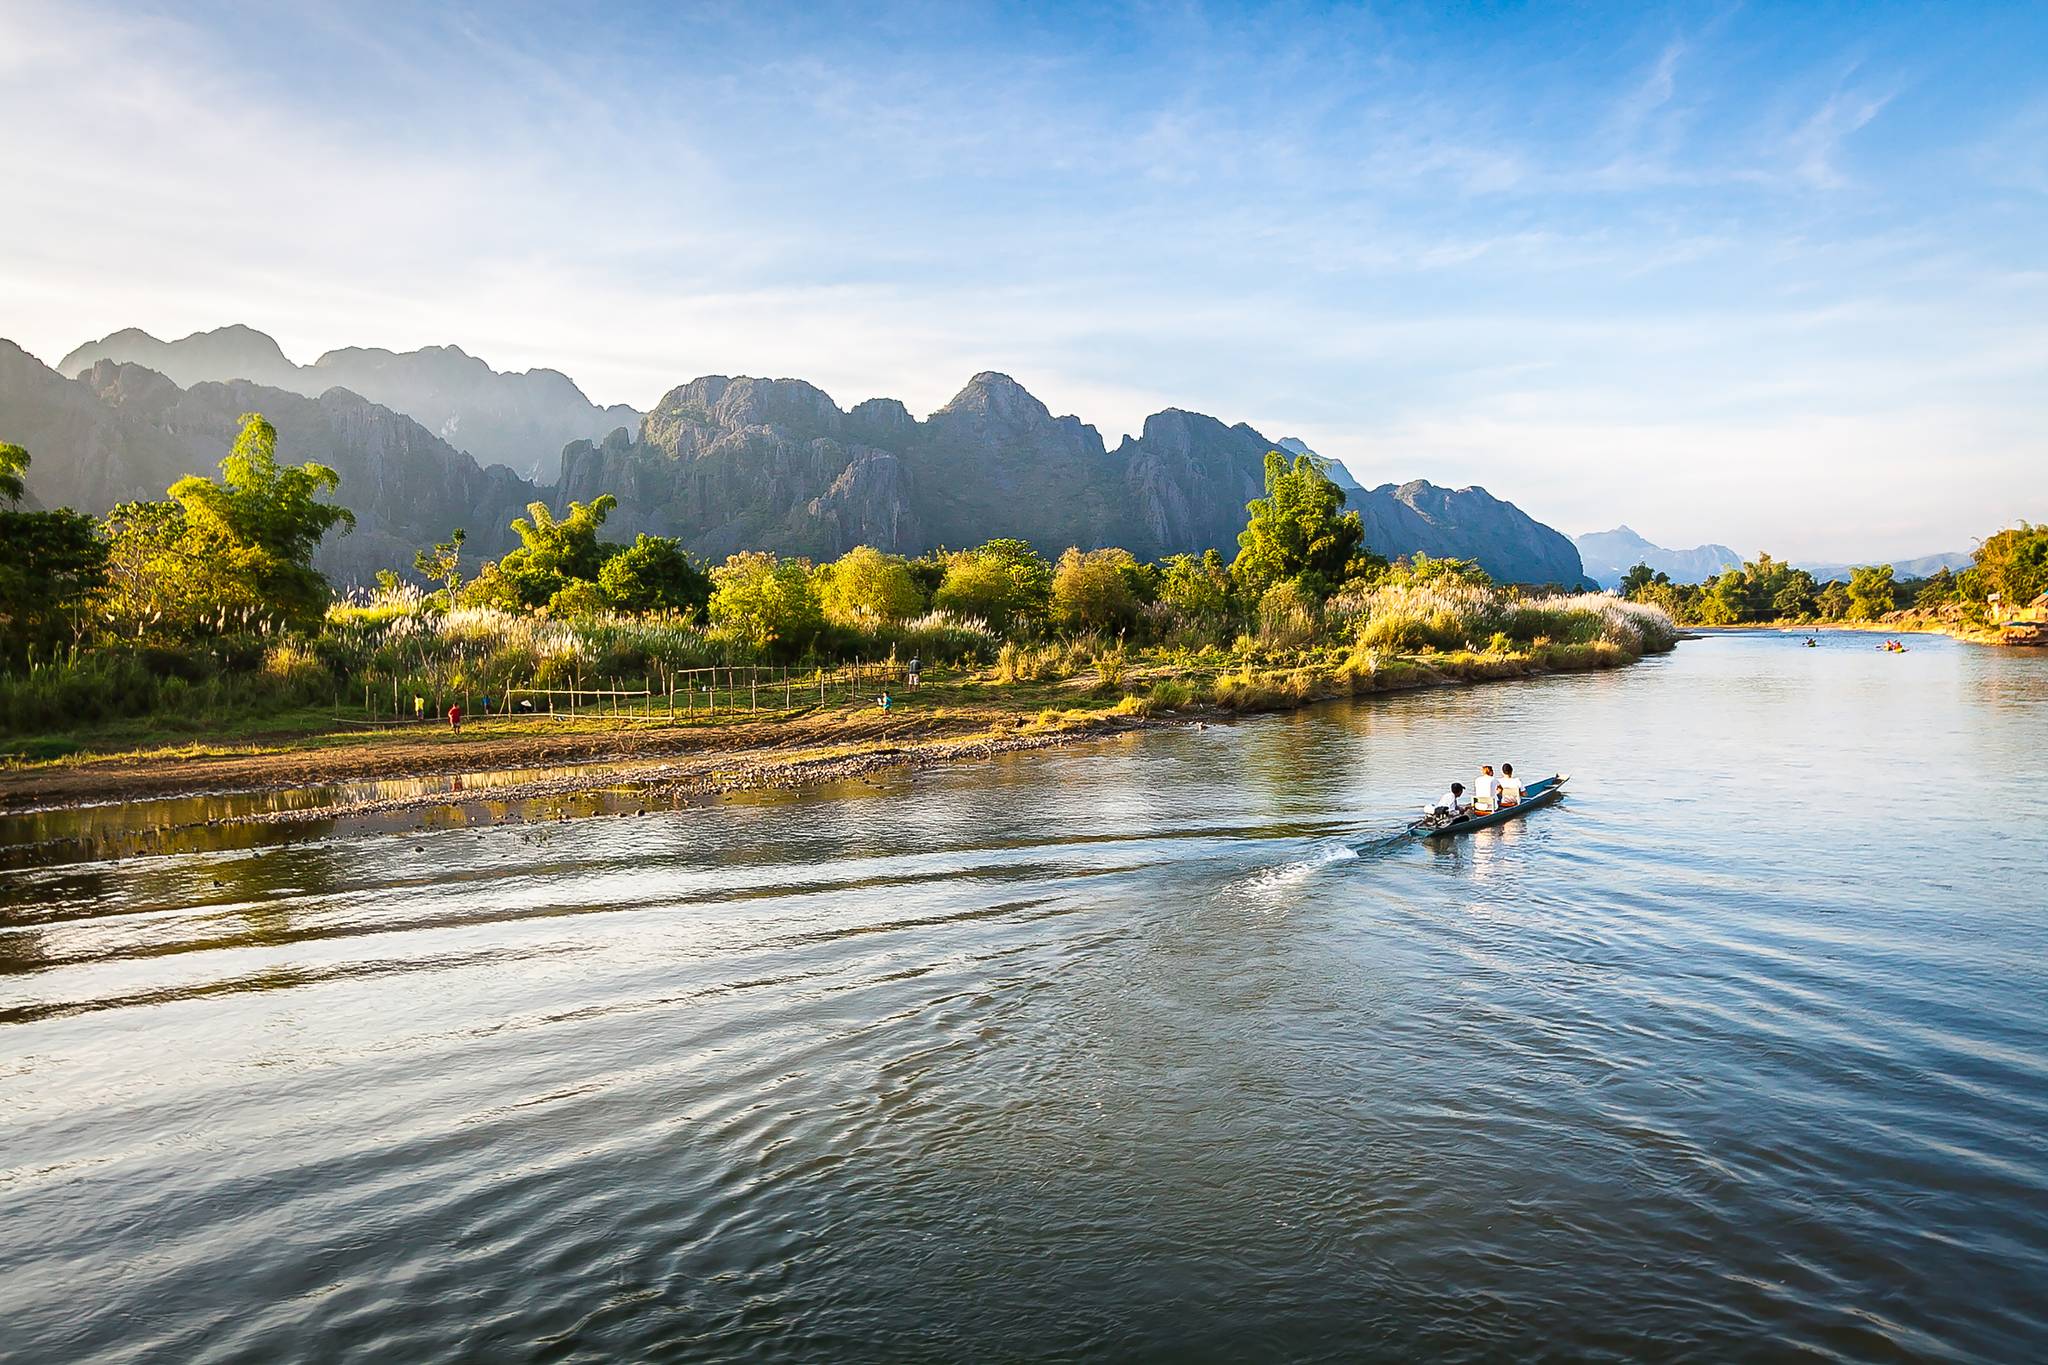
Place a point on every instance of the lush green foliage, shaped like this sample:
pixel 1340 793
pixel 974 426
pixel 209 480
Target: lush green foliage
pixel 443 564
pixel 1870 592
pixel 865 585
pixel 1100 591
pixel 1763 589
pixel 13 473
pixel 221 555
pixel 770 604
pixel 1005 583
pixel 2012 563
pixel 52 564
pixel 654 574
pixel 553 553
pixel 1298 532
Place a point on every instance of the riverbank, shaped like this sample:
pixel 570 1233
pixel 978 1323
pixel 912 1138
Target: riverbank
pixel 969 715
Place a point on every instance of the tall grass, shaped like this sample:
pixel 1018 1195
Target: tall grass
pixel 1414 618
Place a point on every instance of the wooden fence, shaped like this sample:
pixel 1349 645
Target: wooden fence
pixel 679 694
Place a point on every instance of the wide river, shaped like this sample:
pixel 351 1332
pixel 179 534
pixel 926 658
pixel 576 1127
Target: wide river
pixel 1157 1049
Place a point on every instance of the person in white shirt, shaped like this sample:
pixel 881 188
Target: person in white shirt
pixel 1486 795
pixel 1452 801
pixel 1510 786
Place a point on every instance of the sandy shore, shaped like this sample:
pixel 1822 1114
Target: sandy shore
pixel 742 752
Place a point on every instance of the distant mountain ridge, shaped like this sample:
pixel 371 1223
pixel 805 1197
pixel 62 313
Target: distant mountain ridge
pixel 1608 555
pixel 518 420
pixel 123 432
pixel 736 462
pixel 1922 566
pixel 730 463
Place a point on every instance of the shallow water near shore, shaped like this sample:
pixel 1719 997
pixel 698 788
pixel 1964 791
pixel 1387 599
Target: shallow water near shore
pixel 1158 1047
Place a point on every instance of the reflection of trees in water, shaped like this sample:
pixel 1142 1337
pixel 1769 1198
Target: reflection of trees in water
pixel 21 950
pixel 40 897
pixel 268 884
pixel 1300 762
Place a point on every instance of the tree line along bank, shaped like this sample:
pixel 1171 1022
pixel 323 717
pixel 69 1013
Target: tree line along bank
pixel 205 604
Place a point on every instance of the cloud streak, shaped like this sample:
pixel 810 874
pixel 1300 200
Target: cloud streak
pixel 1570 266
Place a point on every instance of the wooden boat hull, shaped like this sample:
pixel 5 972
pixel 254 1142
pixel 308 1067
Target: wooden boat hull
pixel 1535 795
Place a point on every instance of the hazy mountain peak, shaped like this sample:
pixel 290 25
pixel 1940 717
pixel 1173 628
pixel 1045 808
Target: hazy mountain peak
pixel 517 419
pixel 1338 472
pixel 1610 554
pixel 996 395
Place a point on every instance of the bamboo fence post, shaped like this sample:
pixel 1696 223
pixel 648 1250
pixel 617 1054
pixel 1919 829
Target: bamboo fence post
pixel 754 677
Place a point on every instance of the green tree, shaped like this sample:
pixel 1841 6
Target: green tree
pixel 1200 592
pixel 444 564
pixel 1832 602
pixel 1794 595
pixel 239 547
pixel 13 473
pixel 555 552
pixel 1297 531
pixel 1427 570
pixel 654 573
pixel 2014 564
pixel 1639 578
pixel 866 585
pixel 1004 582
pixel 1870 592
pixel 1099 590
pixel 767 603
pixel 1936 591
pixel 51 564
pixel 928 571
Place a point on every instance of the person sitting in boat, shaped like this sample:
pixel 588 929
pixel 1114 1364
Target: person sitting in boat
pixel 1450 805
pixel 1486 793
pixel 1510 787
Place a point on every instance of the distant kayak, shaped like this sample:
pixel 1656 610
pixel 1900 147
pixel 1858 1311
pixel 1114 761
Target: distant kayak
pixel 1542 793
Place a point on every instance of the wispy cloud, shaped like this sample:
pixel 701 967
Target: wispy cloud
pixel 1582 264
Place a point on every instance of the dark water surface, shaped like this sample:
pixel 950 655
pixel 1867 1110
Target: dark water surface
pixel 1145 1050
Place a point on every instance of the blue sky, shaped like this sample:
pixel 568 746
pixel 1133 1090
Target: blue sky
pixel 1769 275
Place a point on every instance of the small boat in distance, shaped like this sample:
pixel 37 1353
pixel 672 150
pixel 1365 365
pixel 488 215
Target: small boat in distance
pixel 1542 793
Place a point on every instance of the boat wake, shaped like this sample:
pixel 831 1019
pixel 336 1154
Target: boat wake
pixel 1269 882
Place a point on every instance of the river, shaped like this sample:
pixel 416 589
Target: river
pixel 1156 1048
